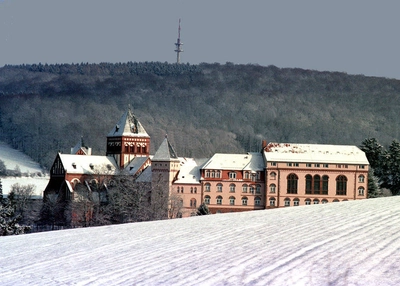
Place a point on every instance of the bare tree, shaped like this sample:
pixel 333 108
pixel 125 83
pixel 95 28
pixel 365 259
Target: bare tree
pixel 25 206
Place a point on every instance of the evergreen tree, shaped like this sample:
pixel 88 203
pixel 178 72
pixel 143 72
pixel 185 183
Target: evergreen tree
pixel 9 220
pixel 1 192
pixel 203 209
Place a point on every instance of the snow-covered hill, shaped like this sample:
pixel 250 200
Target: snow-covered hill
pixel 348 243
pixel 13 158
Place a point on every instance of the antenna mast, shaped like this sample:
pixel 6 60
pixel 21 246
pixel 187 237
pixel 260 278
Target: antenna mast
pixel 178 45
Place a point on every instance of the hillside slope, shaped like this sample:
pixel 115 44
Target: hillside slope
pixel 204 108
pixel 349 243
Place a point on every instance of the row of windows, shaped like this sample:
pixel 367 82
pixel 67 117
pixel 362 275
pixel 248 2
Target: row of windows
pixel 361 178
pixel 139 149
pixel 296 202
pixel 232 175
pixel 232 188
pixel 317 165
pixel 192 190
pixel 232 200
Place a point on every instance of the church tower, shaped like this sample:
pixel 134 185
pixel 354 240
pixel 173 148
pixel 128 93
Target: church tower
pixel 164 165
pixel 128 140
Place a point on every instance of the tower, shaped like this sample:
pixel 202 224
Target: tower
pixel 178 45
pixel 128 140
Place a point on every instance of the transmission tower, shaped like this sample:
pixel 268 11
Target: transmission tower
pixel 178 45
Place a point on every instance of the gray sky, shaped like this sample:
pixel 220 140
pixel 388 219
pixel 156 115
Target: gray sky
pixel 357 37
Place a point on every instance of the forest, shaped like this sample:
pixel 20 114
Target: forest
pixel 204 109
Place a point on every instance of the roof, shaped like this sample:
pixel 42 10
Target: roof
pixel 136 164
pixel 250 161
pixel 145 176
pixel 78 164
pixel 315 153
pixel 128 125
pixel 165 152
pixel 189 172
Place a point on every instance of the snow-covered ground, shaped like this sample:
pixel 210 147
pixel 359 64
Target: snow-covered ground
pixel 13 158
pixel 348 243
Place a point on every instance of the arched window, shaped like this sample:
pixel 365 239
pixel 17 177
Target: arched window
pixel 257 201
pixel 75 181
pixel 218 174
pixel 325 184
pixel 195 190
pixel 177 190
pixel 182 190
pixel 252 188
pixel 247 175
pixel 219 187
pixel 192 203
pixel 232 188
pixel 287 202
pixel 244 188
pixel 335 201
pixel 272 202
pixel 308 184
pixel 317 184
pixel 207 174
pixel 232 201
pixel 324 201
pixel 207 200
pixel 361 179
pixel 296 202
pixel 307 202
pixel 273 175
pixel 244 201
pixel 258 189
pixel 292 183
pixel 207 187
pixel 219 200
pixel 341 185
pixel 272 188
pixel 316 201
pixel 361 191
pixel 191 190
pixel 212 174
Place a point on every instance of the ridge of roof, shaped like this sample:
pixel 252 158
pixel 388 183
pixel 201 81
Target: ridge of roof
pixel 165 152
pixel 128 125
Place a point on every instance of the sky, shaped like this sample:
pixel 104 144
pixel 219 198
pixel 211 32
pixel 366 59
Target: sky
pixel 356 37
pixel 346 243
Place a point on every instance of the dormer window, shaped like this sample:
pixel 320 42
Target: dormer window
pixel 232 175
pixel 109 166
pixel 74 165
pixel 91 166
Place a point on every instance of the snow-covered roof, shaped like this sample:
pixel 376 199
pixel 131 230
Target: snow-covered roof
pixel 83 164
pixel 315 153
pixel 145 176
pixel 189 172
pixel 165 152
pixel 128 125
pixel 249 161
pixel 136 164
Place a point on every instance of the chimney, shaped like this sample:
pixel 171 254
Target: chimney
pixel 264 144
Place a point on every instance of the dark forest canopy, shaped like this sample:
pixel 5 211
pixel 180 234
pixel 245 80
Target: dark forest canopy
pixel 204 108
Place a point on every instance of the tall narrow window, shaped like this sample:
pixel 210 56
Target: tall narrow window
pixel 244 188
pixel 257 201
pixel 317 184
pixel 258 189
pixel 272 188
pixel 232 188
pixel 287 202
pixel 325 184
pixel 292 184
pixel 219 200
pixel 341 185
pixel 207 200
pixel 244 201
pixel 361 179
pixel 207 187
pixel 308 184
pixel 232 201
pixel 272 202
pixel 219 188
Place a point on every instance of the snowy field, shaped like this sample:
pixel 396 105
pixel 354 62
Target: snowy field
pixel 348 243
pixel 13 158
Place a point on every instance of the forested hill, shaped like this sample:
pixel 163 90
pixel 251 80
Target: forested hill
pixel 204 108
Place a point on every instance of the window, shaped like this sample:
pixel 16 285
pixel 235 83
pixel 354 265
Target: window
pixel 317 184
pixel 324 201
pixel 307 202
pixel 316 165
pixel 182 190
pixel 289 164
pixel 247 175
pixel 218 174
pixel 341 185
pixel 232 201
pixel 212 174
pixel 361 179
pixel 192 203
pixel 325 184
pixel 232 188
pixel 296 202
pixel 326 165
pixel 191 190
pixel 244 188
pixel 316 201
pixel 308 184
pixel 219 187
pixel 257 201
pixel 207 187
pixel 207 200
pixel 232 175
pixel 273 176
pixel 335 200
pixel 252 188
pixel 207 174
pixel 361 191
pixel 258 189
pixel 272 202
pixel 178 190
pixel 287 202
pixel 272 188
pixel 244 201
pixel 292 184
pixel 132 149
pixel 195 190
pixel 273 163
pixel 361 166
pixel 219 200
pixel 308 165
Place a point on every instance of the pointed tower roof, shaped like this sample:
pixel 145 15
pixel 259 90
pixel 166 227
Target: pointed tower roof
pixel 165 152
pixel 128 125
